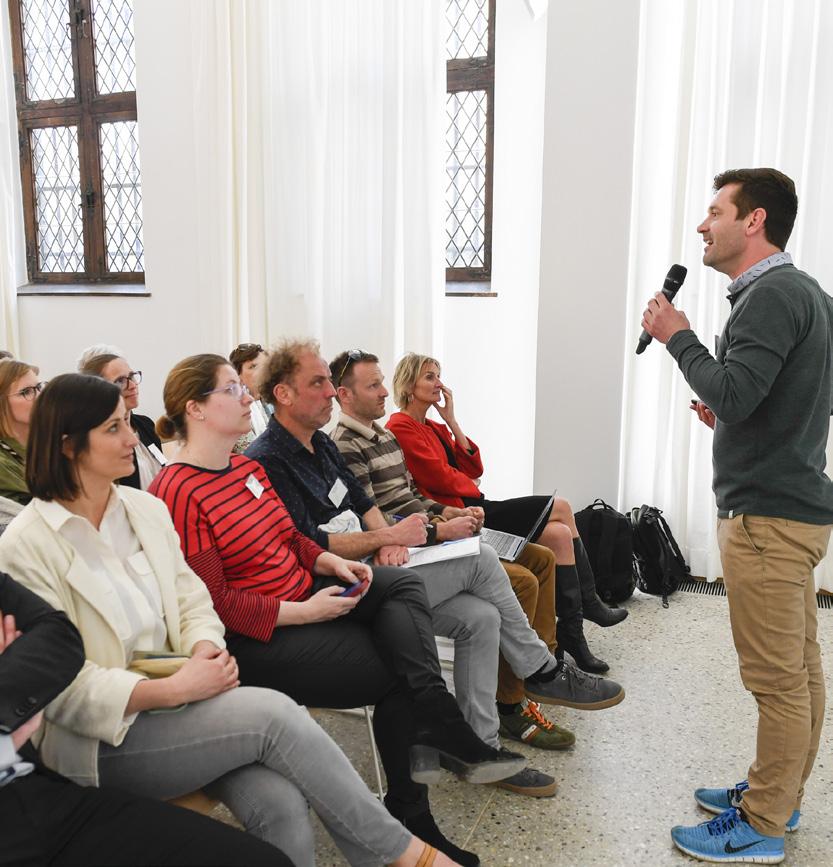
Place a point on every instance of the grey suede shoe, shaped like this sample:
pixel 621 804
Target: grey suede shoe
pixel 529 782
pixel 571 687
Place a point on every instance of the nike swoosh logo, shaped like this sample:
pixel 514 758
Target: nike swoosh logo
pixel 729 849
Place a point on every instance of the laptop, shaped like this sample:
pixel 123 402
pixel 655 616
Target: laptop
pixel 508 546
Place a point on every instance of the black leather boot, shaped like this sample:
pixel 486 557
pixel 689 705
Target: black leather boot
pixel 573 641
pixel 569 631
pixel 444 739
pixel 593 607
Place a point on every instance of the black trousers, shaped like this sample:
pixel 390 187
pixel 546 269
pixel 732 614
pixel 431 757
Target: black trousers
pixel 382 653
pixel 48 820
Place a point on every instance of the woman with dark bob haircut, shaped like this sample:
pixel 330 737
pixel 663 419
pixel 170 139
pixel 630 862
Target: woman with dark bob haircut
pixel 157 708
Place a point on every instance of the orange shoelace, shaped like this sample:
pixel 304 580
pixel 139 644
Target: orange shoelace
pixel 533 712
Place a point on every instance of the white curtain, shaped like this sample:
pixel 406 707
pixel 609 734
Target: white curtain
pixel 320 128
pixel 722 84
pixel 12 263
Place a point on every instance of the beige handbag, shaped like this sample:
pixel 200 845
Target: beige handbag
pixel 156 663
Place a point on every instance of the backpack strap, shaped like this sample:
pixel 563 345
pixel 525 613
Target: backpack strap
pixel 673 543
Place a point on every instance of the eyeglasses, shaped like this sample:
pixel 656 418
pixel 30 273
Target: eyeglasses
pixel 123 382
pixel 30 392
pixel 352 355
pixel 249 347
pixel 236 389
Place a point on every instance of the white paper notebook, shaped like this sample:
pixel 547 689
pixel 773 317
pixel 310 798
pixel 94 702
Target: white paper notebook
pixel 446 551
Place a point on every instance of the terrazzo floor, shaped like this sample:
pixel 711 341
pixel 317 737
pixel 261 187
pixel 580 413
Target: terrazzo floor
pixel 686 721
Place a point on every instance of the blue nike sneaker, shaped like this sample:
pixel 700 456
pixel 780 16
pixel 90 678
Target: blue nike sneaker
pixel 728 838
pixel 718 800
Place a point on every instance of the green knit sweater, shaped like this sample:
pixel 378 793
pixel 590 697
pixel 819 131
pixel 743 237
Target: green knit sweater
pixel 771 388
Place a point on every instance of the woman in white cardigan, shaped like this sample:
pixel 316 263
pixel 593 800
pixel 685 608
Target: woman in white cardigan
pixel 110 558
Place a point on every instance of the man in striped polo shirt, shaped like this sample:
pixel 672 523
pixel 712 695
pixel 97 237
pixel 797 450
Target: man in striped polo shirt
pixel 376 459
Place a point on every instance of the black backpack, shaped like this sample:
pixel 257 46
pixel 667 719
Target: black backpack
pixel 658 563
pixel 607 537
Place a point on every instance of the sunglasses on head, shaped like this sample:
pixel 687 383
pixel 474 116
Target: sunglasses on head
pixel 352 356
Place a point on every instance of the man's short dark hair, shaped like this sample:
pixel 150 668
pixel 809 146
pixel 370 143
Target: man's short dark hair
pixel 341 367
pixel 70 406
pixel 768 189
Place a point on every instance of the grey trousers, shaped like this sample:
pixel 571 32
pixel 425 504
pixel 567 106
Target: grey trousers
pixel 265 758
pixel 474 605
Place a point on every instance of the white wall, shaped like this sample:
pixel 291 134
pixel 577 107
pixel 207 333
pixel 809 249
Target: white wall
pixel 490 342
pixel 588 151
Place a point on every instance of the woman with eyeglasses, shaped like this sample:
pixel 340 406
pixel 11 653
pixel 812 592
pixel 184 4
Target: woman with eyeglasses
pixel 328 631
pixel 147 456
pixel 157 708
pixel 19 388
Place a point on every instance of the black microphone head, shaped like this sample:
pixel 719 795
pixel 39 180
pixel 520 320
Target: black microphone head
pixel 675 277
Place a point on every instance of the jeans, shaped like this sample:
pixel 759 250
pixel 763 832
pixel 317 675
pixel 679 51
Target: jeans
pixel 265 758
pixel 475 606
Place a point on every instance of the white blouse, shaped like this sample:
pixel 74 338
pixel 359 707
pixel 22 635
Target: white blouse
pixel 114 553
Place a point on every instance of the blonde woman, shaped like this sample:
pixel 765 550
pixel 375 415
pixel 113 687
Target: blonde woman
pixel 446 466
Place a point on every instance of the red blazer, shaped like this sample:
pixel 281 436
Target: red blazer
pixel 428 462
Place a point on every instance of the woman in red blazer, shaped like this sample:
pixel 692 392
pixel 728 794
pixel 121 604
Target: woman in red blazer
pixel 446 466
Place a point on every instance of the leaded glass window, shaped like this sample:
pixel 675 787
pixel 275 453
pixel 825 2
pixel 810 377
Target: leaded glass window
pixel 75 81
pixel 470 49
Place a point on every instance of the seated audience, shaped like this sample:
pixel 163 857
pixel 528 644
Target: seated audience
pixel 47 820
pixel 281 597
pixel 19 388
pixel 109 557
pixel 446 465
pixel 470 597
pixel 247 359
pixel 374 457
pixel 147 456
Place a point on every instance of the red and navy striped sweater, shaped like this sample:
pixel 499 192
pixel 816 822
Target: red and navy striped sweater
pixel 245 548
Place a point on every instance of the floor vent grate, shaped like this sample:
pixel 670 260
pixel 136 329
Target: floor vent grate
pixel 716 588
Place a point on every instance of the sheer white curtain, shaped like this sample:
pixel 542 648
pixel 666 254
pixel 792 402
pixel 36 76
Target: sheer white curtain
pixel 722 84
pixel 11 247
pixel 320 129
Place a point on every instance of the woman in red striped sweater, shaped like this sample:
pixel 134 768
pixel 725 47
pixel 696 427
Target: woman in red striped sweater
pixel 446 466
pixel 281 598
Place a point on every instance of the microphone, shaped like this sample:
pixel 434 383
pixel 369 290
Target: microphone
pixel 673 280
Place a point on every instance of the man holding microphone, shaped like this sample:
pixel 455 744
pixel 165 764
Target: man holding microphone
pixel 768 396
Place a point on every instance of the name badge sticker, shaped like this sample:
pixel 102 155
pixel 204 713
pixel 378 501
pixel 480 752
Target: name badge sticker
pixel 337 492
pixel 254 486
pixel 157 453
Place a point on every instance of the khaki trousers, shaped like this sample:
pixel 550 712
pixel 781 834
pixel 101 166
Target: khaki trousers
pixel 768 568
pixel 532 577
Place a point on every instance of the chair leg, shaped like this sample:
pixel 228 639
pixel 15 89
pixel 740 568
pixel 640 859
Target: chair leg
pixel 379 787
